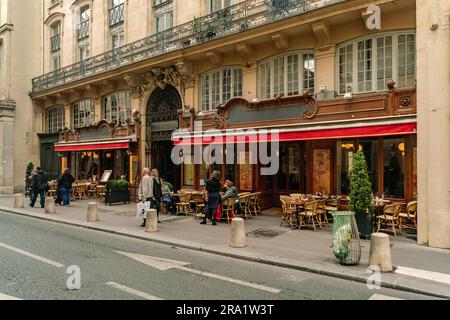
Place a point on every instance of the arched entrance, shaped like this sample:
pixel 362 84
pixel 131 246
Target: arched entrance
pixel 162 120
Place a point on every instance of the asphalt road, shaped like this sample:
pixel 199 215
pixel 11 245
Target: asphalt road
pixel 35 256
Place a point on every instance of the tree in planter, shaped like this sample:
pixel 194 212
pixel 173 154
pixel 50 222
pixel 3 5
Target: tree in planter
pixel 361 195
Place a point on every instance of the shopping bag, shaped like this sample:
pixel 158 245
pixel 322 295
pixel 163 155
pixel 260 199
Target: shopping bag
pixel 141 209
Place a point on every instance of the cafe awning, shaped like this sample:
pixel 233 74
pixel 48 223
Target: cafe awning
pixel 298 134
pixel 92 146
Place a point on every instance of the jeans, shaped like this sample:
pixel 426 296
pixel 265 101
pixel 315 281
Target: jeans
pixel 35 193
pixel 65 195
pixel 169 203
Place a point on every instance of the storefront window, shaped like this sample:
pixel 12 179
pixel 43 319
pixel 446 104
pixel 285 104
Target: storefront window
pixel 289 176
pixel 369 148
pixel 188 170
pixel 394 155
pixel 347 152
pixel 415 172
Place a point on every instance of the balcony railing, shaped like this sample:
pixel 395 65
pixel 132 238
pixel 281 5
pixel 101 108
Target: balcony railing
pixel 83 30
pixel 116 14
pixel 56 42
pixel 246 15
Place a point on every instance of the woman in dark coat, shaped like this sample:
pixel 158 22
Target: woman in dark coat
pixel 213 187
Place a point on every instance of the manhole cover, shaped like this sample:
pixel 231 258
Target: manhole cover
pixel 265 233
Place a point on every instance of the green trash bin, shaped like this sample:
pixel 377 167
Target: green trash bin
pixel 346 244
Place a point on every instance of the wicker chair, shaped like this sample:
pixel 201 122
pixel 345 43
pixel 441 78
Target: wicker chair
pixel 198 200
pixel 409 215
pixel 390 218
pixel 310 217
pixel 322 212
pixel 288 210
pixel 184 206
pixel 228 208
pixel 297 196
pixel 244 205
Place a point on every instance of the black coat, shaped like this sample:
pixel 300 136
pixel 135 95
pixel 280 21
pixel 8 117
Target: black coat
pixel 66 181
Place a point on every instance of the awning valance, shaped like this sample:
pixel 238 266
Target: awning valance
pixel 92 146
pixel 298 135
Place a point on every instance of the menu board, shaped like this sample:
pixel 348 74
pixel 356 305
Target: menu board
pixel 106 176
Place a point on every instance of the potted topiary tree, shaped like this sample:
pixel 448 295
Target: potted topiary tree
pixel 117 191
pixel 361 196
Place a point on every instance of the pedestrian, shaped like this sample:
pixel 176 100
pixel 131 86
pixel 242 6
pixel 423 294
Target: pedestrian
pixel 230 191
pixel 146 189
pixel 157 192
pixel 65 183
pixel 39 186
pixel 212 197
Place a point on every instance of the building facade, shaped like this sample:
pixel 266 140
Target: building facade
pixel 334 77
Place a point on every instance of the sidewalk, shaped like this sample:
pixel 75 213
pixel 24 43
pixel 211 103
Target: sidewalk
pixel 302 250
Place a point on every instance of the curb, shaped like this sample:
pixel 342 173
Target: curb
pixel 202 248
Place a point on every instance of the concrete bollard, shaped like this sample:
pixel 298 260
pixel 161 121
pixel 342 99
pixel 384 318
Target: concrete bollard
pixel 50 207
pixel 380 252
pixel 92 212
pixel 151 224
pixel 18 201
pixel 238 237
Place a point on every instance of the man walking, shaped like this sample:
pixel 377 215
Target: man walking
pixel 39 185
pixel 146 189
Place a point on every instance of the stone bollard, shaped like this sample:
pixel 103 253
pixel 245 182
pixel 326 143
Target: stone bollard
pixel 18 201
pixel 92 212
pixel 380 252
pixel 238 237
pixel 50 207
pixel 151 224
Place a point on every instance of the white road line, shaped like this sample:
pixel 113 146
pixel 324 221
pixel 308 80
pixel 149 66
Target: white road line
pixel 424 274
pixel 382 297
pixel 4 297
pixel 224 278
pixel 132 291
pixel 31 255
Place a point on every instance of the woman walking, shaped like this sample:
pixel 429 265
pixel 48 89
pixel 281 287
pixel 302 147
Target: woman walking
pixel 213 187
pixel 65 183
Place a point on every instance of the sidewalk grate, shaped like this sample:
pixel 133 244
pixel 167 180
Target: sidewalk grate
pixel 265 233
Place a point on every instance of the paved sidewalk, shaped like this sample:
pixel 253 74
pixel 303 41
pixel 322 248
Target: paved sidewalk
pixel 303 250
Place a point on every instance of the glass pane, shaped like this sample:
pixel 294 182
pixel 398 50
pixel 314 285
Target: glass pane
pixel 347 152
pixel 394 154
pixel 369 148
pixel 188 171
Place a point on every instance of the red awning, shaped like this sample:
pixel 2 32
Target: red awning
pixel 108 145
pixel 334 133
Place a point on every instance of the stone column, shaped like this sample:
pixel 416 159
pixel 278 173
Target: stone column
pixel 325 72
pixel 7 108
pixel 433 113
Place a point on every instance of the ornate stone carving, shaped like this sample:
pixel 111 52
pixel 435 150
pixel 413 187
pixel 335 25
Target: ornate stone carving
pixel 405 101
pixel 219 117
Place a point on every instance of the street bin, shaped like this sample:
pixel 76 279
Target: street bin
pixel 346 244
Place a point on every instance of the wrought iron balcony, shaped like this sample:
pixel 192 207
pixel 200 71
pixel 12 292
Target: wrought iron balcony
pixel 243 16
pixel 83 30
pixel 116 14
pixel 56 42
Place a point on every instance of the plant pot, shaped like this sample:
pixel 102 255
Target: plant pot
pixel 364 221
pixel 117 197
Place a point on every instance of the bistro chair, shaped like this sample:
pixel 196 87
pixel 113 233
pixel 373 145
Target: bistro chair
pixel 297 196
pixel 332 205
pixel 184 206
pixel 310 217
pixel 322 212
pixel 91 191
pixel 390 218
pixel 244 205
pixel 198 200
pixel 253 205
pixel 101 193
pixel 258 202
pixel 288 210
pixel 52 192
pixel 409 214
pixel 228 208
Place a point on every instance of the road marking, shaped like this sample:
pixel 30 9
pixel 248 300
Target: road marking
pixel 31 255
pixel 382 297
pixel 4 297
pixel 424 274
pixel 167 264
pixel 132 291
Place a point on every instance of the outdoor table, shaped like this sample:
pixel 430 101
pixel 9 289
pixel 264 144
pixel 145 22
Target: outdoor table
pixel 298 205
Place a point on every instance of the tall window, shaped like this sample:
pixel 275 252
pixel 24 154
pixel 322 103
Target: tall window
pixel 216 5
pixel 117 106
pixel 83 113
pixel 220 85
pixel 55 119
pixel 286 75
pixel 163 15
pixel 116 18
pixel 55 42
pixel 367 64
pixel 83 33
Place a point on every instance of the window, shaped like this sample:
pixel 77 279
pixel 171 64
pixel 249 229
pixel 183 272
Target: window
pixel 286 75
pixel 117 39
pixel 394 175
pixel 116 13
pixel 220 85
pixel 216 5
pixel 291 173
pixel 83 34
pixel 164 16
pixel 55 43
pixel 83 113
pixel 55 119
pixel 117 106
pixel 367 64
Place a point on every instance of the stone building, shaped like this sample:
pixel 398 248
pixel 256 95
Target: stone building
pixel 113 79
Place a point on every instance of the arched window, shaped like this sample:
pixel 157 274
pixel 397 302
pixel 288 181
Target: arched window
pixel 55 119
pixel 220 85
pixel 286 75
pixel 83 113
pixel 366 64
pixel 55 45
pixel 117 106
